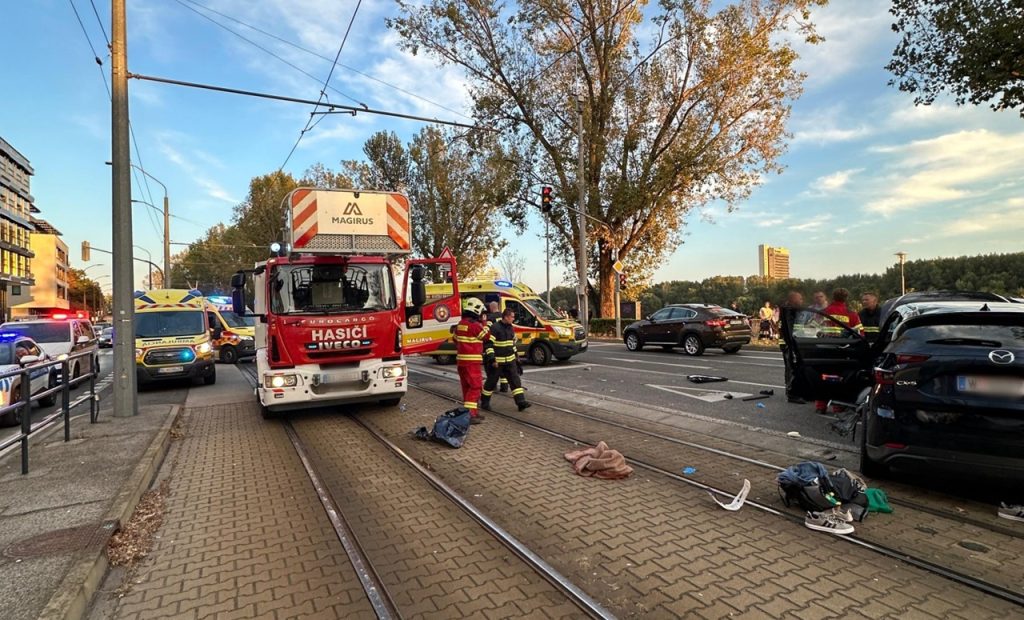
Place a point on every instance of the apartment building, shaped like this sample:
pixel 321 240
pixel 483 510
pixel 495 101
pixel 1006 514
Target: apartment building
pixel 16 228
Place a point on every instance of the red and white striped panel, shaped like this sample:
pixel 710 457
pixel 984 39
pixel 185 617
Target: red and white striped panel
pixel 304 222
pixel 398 220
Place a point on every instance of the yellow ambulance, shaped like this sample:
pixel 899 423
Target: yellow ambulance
pixel 542 333
pixel 232 334
pixel 172 337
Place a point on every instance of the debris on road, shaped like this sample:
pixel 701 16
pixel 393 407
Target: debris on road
pixel 705 378
pixel 768 392
pixel 737 502
pixel 761 406
pixel 689 471
pixel 756 397
pixel 793 434
pixel 599 462
pixel 450 428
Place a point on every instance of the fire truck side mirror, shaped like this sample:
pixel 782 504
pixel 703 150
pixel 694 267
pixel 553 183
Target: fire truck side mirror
pixel 238 293
pixel 419 289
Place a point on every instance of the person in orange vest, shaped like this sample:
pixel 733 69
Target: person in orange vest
pixel 841 314
pixel 470 334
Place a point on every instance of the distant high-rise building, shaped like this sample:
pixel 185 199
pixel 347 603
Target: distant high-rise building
pixel 772 262
pixel 16 211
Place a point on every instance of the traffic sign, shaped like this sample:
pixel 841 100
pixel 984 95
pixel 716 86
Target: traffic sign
pixel 618 266
pixel 446 253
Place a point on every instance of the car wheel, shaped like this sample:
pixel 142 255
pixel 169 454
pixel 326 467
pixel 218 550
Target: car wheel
pixel 633 342
pixel 211 378
pixel 444 360
pixel 693 345
pixel 228 354
pixel 13 418
pixel 540 354
pixel 51 400
pixel 266 413
pixel 76 372
pixel 732 349
pixel 390 402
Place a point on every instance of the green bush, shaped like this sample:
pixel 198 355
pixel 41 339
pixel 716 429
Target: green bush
pixel 606 327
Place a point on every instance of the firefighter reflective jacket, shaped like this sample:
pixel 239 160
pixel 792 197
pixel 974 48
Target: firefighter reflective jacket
pixel 504 338
pixel 839 313
pixel 469 342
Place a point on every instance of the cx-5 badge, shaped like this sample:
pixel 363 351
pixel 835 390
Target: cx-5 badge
pixel 1001 357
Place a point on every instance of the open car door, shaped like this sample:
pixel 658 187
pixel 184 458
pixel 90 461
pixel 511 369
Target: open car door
pixel 826 359
pixel 429 321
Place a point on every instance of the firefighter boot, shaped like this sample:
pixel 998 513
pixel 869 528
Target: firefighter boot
pixel 521 400
pixel 485 403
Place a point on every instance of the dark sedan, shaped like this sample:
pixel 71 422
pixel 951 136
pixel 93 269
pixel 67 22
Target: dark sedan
pixel 693 327
pixel 944 384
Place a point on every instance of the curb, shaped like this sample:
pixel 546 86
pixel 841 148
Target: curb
pixel 75 591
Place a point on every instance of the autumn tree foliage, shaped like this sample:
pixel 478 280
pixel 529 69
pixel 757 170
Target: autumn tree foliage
pixel 683 104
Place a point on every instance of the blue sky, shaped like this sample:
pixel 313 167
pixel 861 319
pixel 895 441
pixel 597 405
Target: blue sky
pixel 867 174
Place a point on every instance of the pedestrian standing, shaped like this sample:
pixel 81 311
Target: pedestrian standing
pixel 490 366
pixel 765 315
pixel 503 333
pixel 794 300
pixel 870 315
pixel 470 334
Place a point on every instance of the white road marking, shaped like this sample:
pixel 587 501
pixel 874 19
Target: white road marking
pixel 643 361
pixel 708 396
pixel 550 368
pixel 676 374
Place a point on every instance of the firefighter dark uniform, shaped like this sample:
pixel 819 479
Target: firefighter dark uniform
pixel 470 334
pixel 490 368
pixel 503 335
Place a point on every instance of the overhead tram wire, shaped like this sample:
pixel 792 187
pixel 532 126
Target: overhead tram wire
pixel 321 56
pixel 333 106
pixel 106 86
pixel 323 91
pixel 251 42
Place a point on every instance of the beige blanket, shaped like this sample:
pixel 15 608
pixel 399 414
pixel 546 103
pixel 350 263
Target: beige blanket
pixel 599 462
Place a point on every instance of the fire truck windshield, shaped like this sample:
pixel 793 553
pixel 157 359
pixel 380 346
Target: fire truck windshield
pixel 331 288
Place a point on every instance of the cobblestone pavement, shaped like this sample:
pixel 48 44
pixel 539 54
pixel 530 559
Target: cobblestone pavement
pixel 433 558
pixel 244 534
pixel 649 546
pixel 984 554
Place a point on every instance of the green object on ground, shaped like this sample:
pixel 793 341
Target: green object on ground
pixel 877 501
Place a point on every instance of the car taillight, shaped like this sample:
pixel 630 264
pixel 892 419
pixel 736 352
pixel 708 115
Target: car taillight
pixel 884 377
pixel 911 359
pixel 716 323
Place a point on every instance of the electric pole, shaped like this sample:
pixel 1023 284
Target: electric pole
pixel 125 398
pixel 167 245
pixel 581 205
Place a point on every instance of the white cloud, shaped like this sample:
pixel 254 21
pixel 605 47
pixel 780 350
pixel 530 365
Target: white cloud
pixel 826 126
pixel 772 222
pixel 953 166
pixel 812 224
pixel 854 33
pixel 212 188
pixel 834 182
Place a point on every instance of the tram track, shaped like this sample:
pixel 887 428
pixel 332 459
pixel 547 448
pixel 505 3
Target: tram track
pixel 372 577
pixel 973 582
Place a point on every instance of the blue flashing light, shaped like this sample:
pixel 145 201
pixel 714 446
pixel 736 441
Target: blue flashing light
pixel 9 336
pixel 187 355
pixel 503 283
pixel 219 300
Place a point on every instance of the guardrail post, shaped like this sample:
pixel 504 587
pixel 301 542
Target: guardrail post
pixel 94 409
pixel 26 417
pixel 65 398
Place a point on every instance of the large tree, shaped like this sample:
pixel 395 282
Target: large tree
pixel 971 48
pixel 694 115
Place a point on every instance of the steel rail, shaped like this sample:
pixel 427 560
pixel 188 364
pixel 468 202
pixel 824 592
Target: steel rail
pixel 953 575
pixel 376 592
pixel 938 512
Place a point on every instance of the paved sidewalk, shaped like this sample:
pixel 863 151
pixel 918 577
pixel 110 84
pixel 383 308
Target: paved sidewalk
pixel 244 534
pixel 55 521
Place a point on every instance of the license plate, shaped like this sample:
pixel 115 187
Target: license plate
pixel 166 370
pixel 740 322
pixel 991 386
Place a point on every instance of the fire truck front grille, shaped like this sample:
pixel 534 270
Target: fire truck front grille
pixel 351 243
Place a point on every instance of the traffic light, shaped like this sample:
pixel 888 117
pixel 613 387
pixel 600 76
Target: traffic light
pixel 622 281
pixel 545 199
pixel 86 252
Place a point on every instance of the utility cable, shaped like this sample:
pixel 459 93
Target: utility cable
pixel 326 58
pixel 323 91
pixel 251 42
pixel 100 21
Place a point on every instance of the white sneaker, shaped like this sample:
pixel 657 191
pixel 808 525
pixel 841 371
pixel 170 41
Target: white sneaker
pixel 845 514
pixel 1013 513
pixel 827 522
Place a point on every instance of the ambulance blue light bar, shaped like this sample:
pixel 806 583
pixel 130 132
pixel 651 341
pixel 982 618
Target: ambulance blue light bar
pixel 503 283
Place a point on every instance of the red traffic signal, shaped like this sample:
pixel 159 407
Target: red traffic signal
pixel 622 281
pixel 545 199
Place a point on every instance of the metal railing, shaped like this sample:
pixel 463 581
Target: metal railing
pixel 64 387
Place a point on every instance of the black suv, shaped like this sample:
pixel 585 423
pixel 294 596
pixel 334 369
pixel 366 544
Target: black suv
pixel 693 327
pixel 941 388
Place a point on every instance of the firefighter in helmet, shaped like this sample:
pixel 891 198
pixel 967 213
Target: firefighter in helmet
pixel 503 334
pixel 470 334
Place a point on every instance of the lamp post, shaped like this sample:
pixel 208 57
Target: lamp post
pixel 903 280
pixel 148 254
pixel 167 217
pixel 85 303
pixel 97 280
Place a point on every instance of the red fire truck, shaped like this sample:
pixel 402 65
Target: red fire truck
pixel 332 326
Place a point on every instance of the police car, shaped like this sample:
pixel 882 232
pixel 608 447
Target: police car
pixel 18 351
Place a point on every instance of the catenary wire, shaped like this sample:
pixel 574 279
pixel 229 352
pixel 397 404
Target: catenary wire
pixel 251 42
pixel 328 59
pixel 100 21
pixel 323 91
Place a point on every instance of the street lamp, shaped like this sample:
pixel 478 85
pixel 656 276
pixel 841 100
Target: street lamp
pixel 903 280
pixel 85 302
pixel 167 217
pixel 150 260
pixel 97 280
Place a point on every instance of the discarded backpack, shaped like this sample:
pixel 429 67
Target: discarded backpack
pixel 849 489
pixel 450 428
pixel 807 485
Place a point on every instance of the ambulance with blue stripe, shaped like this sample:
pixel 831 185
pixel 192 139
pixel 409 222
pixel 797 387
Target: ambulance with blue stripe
pixel 172 337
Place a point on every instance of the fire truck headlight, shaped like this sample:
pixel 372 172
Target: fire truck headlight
pixel 281 381
pixel 393 372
